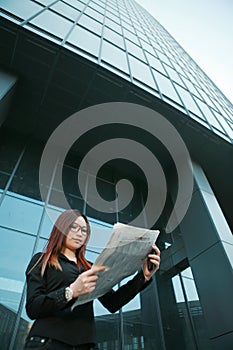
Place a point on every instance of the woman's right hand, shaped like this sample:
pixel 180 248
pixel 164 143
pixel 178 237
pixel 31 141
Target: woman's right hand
pixel 86 281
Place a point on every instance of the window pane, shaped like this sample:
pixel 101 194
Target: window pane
pixel 113 25
pixel 135 50
pixel 76 4
pixel 189 285
pixel 178 289
pixel 226 125
pixel 91 24
pixel 45 2
pixel 94 14
pixel 66 10
pixel 140 34
pixel 96 7
pixel 113 37
pixel 166 87
pixel 100 234
pixel 148 47
pixel 155 63
pixel 48 220
pixel 115 56
pixel 13 266
pixel 174 75
pixel 27 10
pixel 85 40
pixel 188 101
pixel 126 25
pixel 52 23
pixel 26 219
pixel 209 116
pixel 141 71
pixel 131 36
pixel 112 16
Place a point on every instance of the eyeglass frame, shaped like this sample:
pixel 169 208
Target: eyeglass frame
pixel 77 227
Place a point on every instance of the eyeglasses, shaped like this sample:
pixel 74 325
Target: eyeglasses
pixel 76 228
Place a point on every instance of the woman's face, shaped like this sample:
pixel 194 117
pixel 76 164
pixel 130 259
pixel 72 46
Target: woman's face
pixel 77 234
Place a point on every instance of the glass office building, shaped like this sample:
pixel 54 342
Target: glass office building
pixel 62 56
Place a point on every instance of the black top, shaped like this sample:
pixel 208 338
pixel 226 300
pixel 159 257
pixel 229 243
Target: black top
pixel 54 318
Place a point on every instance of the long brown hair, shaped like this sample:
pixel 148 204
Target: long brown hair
pixel 57 238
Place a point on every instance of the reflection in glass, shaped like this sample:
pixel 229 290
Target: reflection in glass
pixel 190 312
pixel 189 284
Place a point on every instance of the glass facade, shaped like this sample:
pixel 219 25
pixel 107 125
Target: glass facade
pixel 122 37
pixel 25 226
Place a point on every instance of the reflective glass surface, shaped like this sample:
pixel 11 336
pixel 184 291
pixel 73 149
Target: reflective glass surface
pixel 94 14
pixel 135 50
pixel 90 24
pixel 114 56
pixel 66 10
pixel 151 61
pixel 26 219
pixel 142 33
pixel 188 101
pixel 155 63
pixel 76 4
pixel 141 71
pixel 52 23
pixel 27 10
pixel 113 37
pixel 190 311
pixel 166 87
pixel 84 40
pixel 13 265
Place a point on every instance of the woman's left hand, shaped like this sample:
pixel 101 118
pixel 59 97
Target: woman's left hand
pixel 153 258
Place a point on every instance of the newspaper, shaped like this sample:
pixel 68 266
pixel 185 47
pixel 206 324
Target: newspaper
pixel 123 255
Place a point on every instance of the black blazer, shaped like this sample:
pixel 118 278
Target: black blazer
pixel 53 316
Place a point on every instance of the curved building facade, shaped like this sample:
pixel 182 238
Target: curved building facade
pixel 64 56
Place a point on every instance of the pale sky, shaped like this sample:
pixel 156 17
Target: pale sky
pixel 205 31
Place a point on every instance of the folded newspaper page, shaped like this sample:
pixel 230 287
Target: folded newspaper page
pixel 123 255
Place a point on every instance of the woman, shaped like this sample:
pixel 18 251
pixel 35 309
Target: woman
pixel 57 277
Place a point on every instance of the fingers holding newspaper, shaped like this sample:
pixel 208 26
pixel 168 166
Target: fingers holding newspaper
pixel 86 282
pixel 151 264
